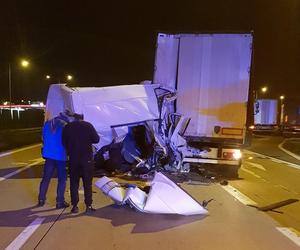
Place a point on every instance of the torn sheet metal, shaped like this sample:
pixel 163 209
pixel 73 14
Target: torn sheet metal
pixel 165 197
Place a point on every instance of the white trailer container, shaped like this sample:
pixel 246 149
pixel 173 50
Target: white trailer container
pixel 211 73
pixel 265 111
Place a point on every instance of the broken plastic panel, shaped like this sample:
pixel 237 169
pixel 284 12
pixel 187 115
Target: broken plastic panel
pixel 165 197
pixel 111 189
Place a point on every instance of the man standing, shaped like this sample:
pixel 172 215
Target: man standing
pixel 55 158
pixel 78 137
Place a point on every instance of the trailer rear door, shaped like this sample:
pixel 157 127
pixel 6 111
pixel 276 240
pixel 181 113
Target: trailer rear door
pixel 212 76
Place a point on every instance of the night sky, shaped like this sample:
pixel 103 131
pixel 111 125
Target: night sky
pixel 109 43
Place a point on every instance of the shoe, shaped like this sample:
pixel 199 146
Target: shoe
pixel 62 205
pixel 41 203
pixel 74 210
pixel 90 209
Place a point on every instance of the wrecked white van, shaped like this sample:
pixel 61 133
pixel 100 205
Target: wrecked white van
pixel 110 109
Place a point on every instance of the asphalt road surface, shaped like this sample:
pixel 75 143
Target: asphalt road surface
pixel 268 145
pixel 231 224
pixel 15 138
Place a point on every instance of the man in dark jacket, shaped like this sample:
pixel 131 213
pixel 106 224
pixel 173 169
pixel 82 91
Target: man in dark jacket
pixel 78 137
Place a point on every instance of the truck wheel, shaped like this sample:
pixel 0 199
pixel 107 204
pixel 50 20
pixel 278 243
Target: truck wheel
pixel 232 172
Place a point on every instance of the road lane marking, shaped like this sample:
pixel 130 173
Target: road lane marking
pixel 254 174
pixel 287 151
pixel 250 172
pixel 256 165
pixel 273 159
pixel 19 150
pixel 25 234
pixel 286 189
pixel 239 196
pixel 20 164
pixel 21 169
pixel 291 233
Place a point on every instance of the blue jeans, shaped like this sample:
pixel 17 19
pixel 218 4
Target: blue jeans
pixel 50 166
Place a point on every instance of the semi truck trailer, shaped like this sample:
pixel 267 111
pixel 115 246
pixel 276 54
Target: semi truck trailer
pixel 211 75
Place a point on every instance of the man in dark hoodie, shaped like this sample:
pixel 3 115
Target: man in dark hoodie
pixel 78 137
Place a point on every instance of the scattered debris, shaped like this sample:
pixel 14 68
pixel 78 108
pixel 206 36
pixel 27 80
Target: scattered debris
pixel 162 196
pixel 205 203
pixel 190 182
pixel 224 182
pixel 276 205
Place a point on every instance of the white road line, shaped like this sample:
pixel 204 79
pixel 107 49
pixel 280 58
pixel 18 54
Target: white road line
pixel 19 150
pixel 291 233
pixel 285 188
pixel 273 159
pixel 20 170
pixel 256 165
pixel 239 196
pixel 250 172
pixel 25 234
pixel 287 151
pixel 276 160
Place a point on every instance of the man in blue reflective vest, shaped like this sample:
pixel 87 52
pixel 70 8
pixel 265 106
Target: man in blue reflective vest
pixel 55 159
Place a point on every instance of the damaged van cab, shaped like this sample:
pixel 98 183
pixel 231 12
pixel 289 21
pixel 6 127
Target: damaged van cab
pixel 127 119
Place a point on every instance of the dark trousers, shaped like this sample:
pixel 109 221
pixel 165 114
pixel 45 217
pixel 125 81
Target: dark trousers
pixel 83 169
pixel 49 168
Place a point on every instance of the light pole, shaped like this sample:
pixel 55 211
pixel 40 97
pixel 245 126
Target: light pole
pixel 24 63
pixel 256 92
pixel 281 109
pixel 9 84
pixel 256 97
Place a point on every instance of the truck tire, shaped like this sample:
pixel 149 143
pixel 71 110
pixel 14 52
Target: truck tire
pixel 232 172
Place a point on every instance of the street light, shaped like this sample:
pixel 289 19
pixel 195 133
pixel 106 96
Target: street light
pixel 256 92
pixel 24 63
pixel 67 77
pixel 281 97
pixel 264 89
